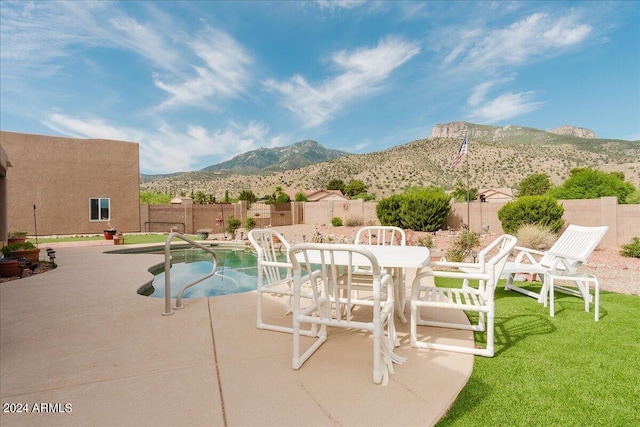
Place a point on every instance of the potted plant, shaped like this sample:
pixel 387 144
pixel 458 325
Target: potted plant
pixel 25 249
pixel 17 237
pixel 9 267
pixel 110 232
pixel 118 239
pixel 203 233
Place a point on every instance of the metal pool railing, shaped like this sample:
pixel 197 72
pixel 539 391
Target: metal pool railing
pixel 167 271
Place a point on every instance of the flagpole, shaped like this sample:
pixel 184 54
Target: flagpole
pixel 467 173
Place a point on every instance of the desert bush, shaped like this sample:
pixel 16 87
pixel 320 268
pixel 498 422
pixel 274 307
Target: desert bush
pixel 631 249
pixel 427 241
pixel 354 222
pixel 540 210
pixel 462 246
pixel 336 221
pixel 536 237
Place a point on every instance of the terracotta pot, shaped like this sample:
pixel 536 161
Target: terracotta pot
pixel 11 240
pixel 32 255
pixel 9 268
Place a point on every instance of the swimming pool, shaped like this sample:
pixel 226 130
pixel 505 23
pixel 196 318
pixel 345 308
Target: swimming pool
pixel 237 272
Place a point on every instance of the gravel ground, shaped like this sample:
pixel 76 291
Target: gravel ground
pixel 615 272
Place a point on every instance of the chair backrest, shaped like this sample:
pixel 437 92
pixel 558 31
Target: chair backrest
pixel 332 266
pixel 271 247
pixel 576 242
pixel 499 251
pixel 381 235
pixel 503 245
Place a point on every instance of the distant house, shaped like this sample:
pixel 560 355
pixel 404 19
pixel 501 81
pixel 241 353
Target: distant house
pixel 317 195
pixel 495 195
pixel 59 185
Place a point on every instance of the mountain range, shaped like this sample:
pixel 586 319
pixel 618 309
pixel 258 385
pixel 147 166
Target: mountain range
pixel 498 157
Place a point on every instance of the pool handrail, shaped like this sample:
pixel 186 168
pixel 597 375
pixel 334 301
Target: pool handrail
pixel 167 271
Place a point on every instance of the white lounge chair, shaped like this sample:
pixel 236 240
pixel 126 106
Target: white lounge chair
pixel 467 298
pixel 326 264
pixel 571 250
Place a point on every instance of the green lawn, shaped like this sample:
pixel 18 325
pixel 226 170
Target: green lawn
pixel 563 371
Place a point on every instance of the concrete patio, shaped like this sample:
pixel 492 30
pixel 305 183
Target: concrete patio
pixel 81 335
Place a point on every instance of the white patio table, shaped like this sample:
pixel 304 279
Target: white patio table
pixel 391 257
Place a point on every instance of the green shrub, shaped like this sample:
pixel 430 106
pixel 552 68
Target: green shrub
pixel 586 183
pixel 250 224
pixel 233 224
pixel 418 210
pixel 336 221
pixel 6 250
pixel 631 249
pixel 544 211
pixel 388 210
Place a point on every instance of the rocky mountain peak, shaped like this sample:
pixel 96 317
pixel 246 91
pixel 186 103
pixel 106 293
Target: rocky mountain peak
pixel 574 131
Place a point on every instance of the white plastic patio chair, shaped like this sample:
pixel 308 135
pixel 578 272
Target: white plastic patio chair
pixel 386 236
pixel 571 250
pixel 275 276
pixel 467 298
pixel 331 269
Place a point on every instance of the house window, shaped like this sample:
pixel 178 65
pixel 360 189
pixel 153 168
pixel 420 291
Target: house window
pixel 99 209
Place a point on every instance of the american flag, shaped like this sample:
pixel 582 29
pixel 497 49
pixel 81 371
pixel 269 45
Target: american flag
pixel 461 152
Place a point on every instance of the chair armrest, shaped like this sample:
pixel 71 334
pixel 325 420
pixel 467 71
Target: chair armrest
pixel 453 264
pixel 276 264
pixel 563 260
pixel 528 254
pixel 472 275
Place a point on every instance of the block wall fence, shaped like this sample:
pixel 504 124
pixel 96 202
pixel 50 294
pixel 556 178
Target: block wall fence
pixel 623 220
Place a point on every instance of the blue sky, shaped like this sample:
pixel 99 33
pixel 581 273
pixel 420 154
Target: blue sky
pixel 196 83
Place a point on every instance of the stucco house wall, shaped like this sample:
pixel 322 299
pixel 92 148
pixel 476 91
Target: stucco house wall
pixel 60 175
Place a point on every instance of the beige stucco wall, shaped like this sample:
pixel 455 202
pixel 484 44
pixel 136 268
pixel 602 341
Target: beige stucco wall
pixel 59 176
pixel 4 165
pixel 623 220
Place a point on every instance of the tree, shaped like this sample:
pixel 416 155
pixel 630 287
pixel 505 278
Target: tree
pixel 279 196
pixel 460 192
pixel 248 196
pixel 534 185
pixel 301 197
pixel 336 184
pixel 355 187
pixel 585 183
pixel 151 198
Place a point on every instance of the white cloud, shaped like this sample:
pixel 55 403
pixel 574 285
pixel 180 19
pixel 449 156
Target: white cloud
pixel 363 72
pixel 534 37
pixel 223 74
pixel 504 107
pixel 339 4
pixel 169 150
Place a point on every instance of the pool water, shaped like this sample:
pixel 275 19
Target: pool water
pixel 237 272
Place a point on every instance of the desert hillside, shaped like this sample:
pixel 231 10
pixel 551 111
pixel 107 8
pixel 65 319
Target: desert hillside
pixel 498 157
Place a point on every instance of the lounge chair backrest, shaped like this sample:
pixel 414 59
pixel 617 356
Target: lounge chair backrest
pixel 576 242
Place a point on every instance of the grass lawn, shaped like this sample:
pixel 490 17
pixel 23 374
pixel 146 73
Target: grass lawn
pixel 563 371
